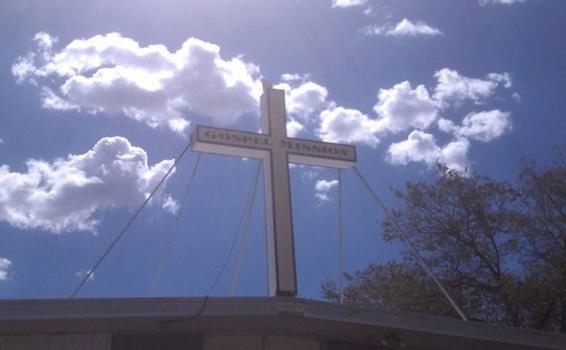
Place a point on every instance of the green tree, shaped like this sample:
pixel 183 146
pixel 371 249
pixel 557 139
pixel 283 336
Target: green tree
pixel 488 243
pixel 544 230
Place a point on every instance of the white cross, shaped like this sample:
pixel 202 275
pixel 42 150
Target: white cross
pixel 276 150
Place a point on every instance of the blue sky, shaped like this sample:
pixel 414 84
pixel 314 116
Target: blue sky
pixel 98 97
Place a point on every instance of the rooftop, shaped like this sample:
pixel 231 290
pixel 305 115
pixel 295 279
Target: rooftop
pixel 288 316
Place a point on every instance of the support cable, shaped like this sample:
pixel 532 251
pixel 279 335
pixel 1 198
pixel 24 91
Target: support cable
pixel 340 239
pixel 216 279
pixel 129 223
pixel 173 230
pixel 410 245
pixel 245 229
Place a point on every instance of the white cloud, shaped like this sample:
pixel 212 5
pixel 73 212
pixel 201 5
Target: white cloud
pixel 307 99
pixel 50 100
pixel 483 126
pixel 348 3
pixel 454 87
pixel 24 69
pixel 170 205
pixel 294 78
pixel 64 195
pixel 294 127
pixel 325 185
pixel 455 155
pixel 404 28
pixel 421 147
pixel 44 41
pixel 114 75
pixel 501 2
pixel 322 189
pixel 340 124
pixel 399 109
pixel 5 266
pixel 418 28
pixel 501 78
pixel 402 107
pixel 323 197
pixel 303 99
pixel 447 125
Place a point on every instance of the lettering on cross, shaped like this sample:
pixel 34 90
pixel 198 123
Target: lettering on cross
pixel 276 151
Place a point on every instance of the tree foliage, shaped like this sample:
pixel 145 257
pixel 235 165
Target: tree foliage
pixel 499 250
pixel 544 231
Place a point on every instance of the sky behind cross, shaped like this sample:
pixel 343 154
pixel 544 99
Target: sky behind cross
pixel 99 97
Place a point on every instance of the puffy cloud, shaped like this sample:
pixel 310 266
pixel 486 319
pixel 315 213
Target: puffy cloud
pixel 501 78
pixel 294 127
pixel 455 155
pixel 295 78
pixel 170 205
pixel 44 41
pixel 482 126
pixel 454 87
pixel 500 2
pixel 404 28
pixel 447 125
pixel 421 147
pixel 418 28
pixel 114 75
pixel 323 197
pixel 5 267
pixel 64 195
pixel 348 3
pixel 322 189
pixel 340 124
pixel 303 99
pixel 24 69
pixel 325 185
pixel 307 99
pixel 402 107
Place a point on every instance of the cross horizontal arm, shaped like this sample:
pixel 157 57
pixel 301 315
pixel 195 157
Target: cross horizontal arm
pixel 327 154
pixel 254 145
pixel 230 142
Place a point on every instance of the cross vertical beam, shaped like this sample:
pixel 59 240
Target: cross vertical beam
pixel 280 239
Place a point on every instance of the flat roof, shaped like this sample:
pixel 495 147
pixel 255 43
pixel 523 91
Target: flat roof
pixel 277 315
